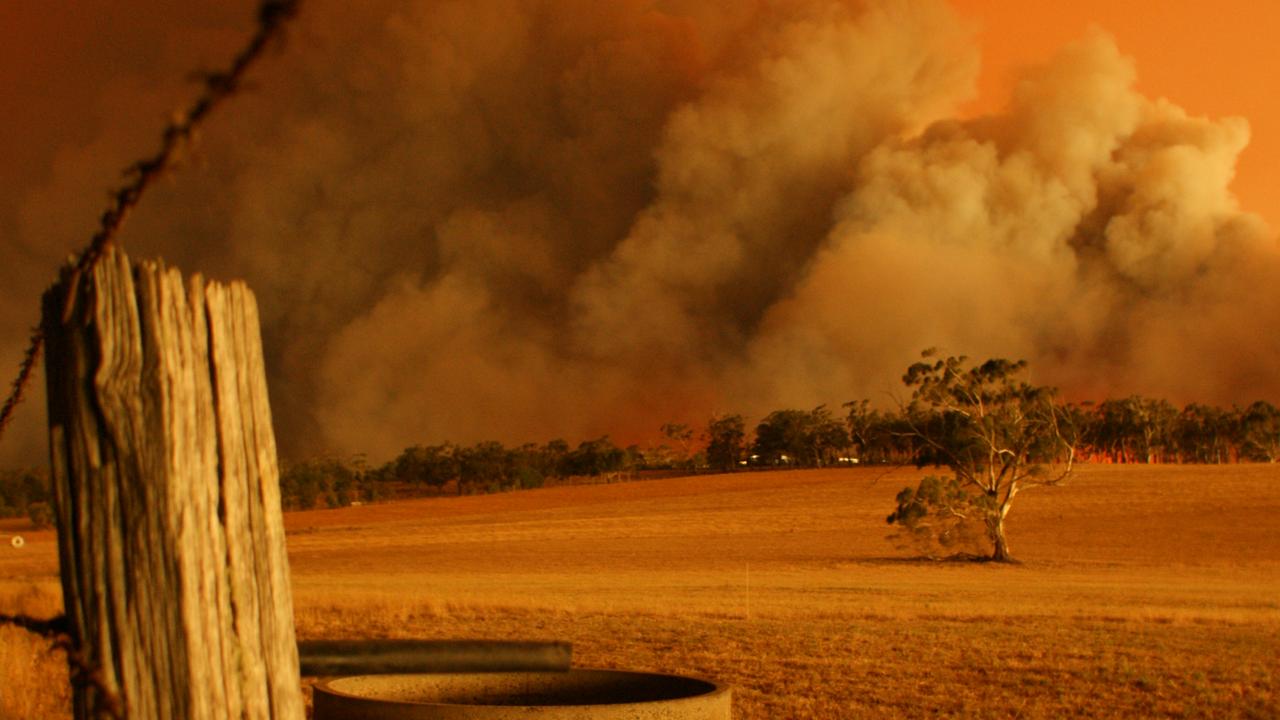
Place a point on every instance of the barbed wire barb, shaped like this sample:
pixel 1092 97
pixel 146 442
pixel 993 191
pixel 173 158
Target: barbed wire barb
pixel 182 128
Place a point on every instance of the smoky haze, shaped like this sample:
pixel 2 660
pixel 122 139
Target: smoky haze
pixel 526 219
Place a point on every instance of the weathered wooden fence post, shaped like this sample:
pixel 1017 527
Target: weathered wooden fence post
pixel 165 480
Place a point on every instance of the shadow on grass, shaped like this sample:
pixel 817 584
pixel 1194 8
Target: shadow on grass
pixel 924 560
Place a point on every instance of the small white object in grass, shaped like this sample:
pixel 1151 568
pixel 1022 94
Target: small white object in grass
pixel 17 541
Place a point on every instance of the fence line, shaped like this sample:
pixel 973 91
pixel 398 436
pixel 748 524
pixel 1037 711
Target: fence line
pixel 218 87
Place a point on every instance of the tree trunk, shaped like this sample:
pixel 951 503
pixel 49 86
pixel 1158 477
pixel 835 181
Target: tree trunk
pixel 1000 552
pixel 995 530
pixel 166 489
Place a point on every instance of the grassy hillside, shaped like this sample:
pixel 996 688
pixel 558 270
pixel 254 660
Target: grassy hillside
pixel 1142 590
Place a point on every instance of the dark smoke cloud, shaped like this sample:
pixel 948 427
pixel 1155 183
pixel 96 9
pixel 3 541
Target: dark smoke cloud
pixel 537 218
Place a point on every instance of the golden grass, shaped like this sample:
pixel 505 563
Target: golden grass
pixel 33 675
pixel 1143 591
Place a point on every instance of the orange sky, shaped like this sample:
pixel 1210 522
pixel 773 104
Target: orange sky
pixel 86 84
pixel 1215 58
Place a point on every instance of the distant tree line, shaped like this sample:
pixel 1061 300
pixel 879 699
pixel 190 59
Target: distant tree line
pixel 1137 429
pixel 25 493
pixel 486 467
pixel 1129 430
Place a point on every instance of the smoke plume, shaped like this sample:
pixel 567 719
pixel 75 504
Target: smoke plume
pixel 526 219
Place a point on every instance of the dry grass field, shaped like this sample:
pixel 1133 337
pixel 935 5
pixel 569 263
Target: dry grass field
pixel 1143 591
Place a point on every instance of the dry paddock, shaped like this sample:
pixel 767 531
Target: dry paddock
pixel 1142 591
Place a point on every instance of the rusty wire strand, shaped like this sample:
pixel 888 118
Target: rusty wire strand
pixel 20 383
pixel 50 629
pixel 218 86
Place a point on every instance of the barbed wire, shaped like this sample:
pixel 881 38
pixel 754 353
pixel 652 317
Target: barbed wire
pixel 218 86
pixel 29 360
pixel 50 629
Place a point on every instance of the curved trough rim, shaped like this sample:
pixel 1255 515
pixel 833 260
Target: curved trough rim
pixel 716 690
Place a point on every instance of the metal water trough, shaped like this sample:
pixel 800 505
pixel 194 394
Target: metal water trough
pixel 327 658
pixel 493 680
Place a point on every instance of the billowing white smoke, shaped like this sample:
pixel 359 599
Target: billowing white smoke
pixel 1088 229
pixel 523 219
